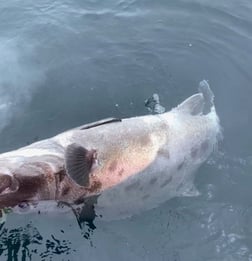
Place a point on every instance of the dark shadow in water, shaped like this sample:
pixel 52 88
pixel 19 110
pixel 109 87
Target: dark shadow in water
pixel 21 244
pixel 56 247
pixel 85 215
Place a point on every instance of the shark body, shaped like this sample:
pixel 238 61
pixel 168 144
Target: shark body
pixel 113 168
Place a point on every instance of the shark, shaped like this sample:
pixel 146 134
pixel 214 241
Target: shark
pixel 113 168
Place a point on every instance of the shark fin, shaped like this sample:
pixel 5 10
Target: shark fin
pixel 193 105
pixel 78 163
pixel 199 103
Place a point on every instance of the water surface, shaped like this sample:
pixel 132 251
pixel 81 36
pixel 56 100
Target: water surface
pixel 65 63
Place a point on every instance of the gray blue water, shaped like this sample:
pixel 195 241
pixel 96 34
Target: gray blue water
pixel 65 63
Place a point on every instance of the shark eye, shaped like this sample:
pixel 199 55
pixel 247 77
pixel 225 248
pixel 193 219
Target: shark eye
pixel 23 207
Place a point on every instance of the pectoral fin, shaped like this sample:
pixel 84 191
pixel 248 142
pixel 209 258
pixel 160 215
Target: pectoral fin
pixel 78 163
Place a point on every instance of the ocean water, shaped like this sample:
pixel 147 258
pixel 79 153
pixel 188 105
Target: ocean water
pixel 65 63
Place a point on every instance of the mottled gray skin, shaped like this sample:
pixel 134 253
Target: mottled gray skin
pixel 141 162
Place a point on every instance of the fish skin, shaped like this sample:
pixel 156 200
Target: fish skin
pixel 130 153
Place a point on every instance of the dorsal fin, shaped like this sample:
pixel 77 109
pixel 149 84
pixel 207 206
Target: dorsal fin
pixel 199 103
pixel 98 123
pixel 78 163
pixel 193 105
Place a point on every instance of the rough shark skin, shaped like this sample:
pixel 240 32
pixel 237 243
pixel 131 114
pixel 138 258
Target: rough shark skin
pixel 139 163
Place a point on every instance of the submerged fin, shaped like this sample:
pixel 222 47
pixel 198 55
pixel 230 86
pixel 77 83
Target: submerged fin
pixel 78 163
pixel 98 123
